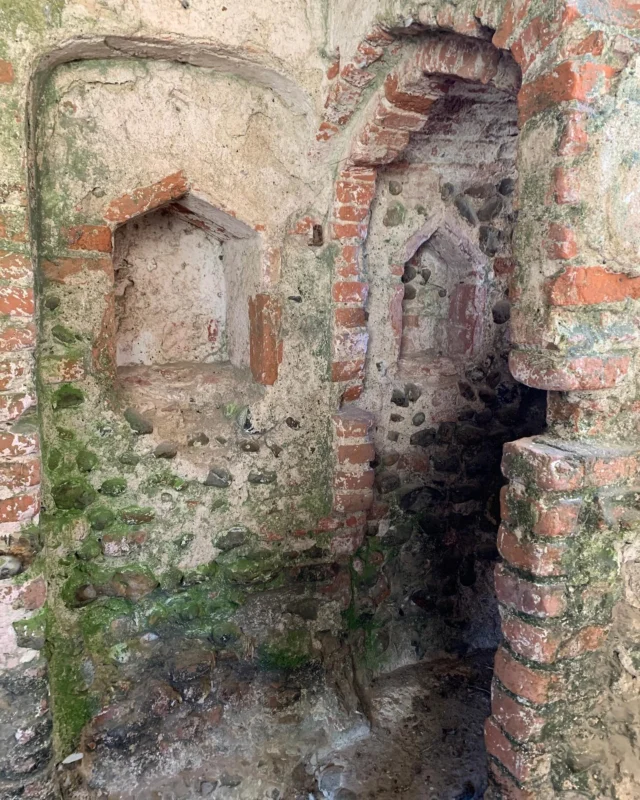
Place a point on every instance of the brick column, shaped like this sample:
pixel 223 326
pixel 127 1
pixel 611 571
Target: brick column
pixel 25 720
pixel 568 490
pixel 355 190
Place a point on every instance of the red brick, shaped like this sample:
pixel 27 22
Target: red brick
pixel 414 103
pixel 509 789
pixel 592 45
pixel 568 81
pixel 581 374
pixel 352 393
pixel 16 301
pixel 567 186
pixel 16 444
pixel 561 243
pixel 304 226
pixel 353 74
pixel 329 524
pixel 6 71
pixel 354 480
pixel 349 230
pixel 366 54
pixel 350 317
pixel 504 266
pixel 347 502
pixel 575 139
pixel 361 174
pixel 604 470
pixel 12 375
pixel 353 424
pixel 527 597
pixel 348 261
pixel 468 59
pixel 147 198
pixel 531 641
pixel 533 40
pixel 558 520
pixel 19 509
pixel 97 238
pixel 536 685
pixel 521 764
pixel 346 370
pixel 584 641
pixel 55 369
pixel 355 192
pixel 547 517
pixel 14 266
pixel 550 469
pixel 18 476
pixel 13 338
pixel 326 131
pixel 59 269
pixel 585 286
pixel 350 292
pixel 356 453
pixel 265 314
pixel 389 116
pixel 351 213
pixel 13 406
pixel 380 37
pixel 520 722
pixel 538 558
pixel 513 15
pixel 333 68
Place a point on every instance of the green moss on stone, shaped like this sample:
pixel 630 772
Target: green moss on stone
pixel 100 517
pixel 75 493
pixel 289 651
pixel 70 700
pixel 67 396
pixel 135 515
pixel 86 460
pixel 63 334
pixel 54 459
pixel 113 487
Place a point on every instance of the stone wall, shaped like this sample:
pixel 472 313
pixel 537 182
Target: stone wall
pixel 208 551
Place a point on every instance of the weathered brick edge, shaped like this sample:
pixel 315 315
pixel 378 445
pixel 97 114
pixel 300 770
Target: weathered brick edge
pixel 560 513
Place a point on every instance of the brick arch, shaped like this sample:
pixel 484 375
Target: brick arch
pixel 92 247
pixel 564 496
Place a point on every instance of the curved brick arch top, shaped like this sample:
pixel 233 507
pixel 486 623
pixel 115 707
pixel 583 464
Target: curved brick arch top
pixel 423 78
pixel 402 107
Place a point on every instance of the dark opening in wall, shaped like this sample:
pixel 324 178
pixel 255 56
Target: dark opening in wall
pixel 445 403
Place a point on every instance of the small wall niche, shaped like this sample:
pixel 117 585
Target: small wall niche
pixel 443 308
pixel 183 277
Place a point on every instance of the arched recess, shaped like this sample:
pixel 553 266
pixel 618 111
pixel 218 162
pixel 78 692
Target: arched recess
pixel 251 318
pixel 560 482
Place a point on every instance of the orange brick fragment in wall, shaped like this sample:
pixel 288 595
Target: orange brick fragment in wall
pixel 6 71
pixel 265 313
pixel 89 237
pixel 585 286
pixel 567 81
pixel 147 198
